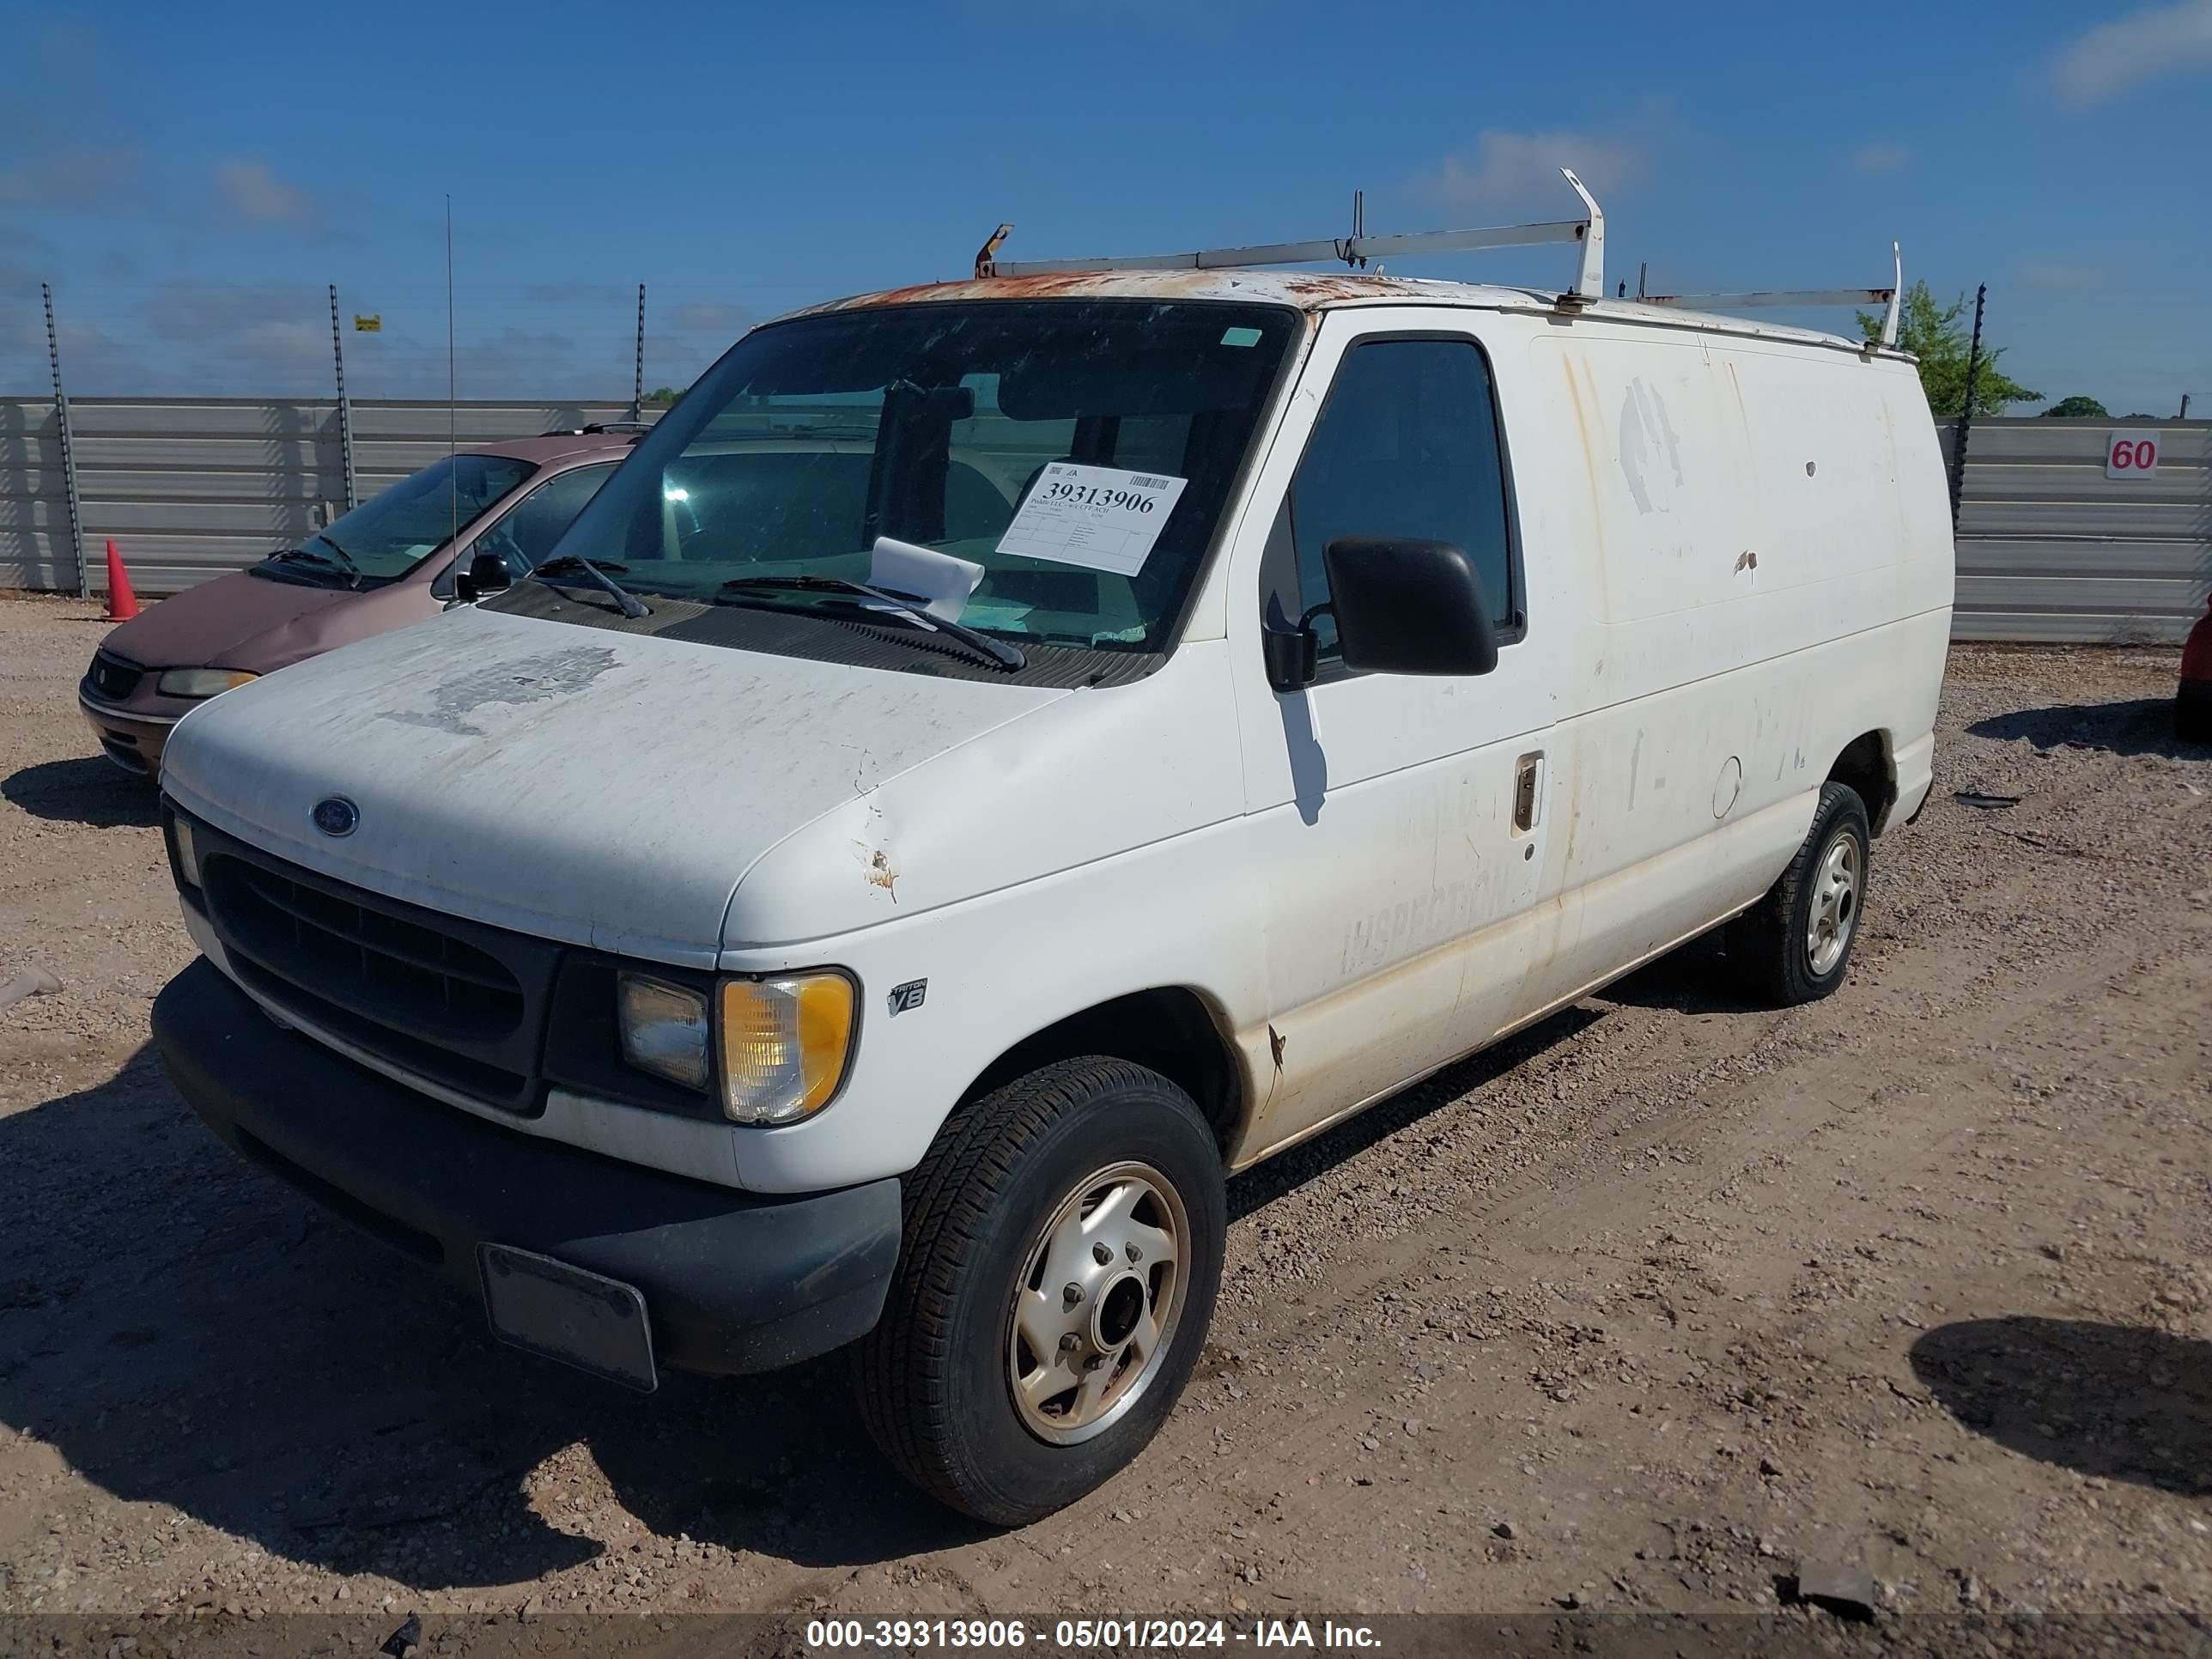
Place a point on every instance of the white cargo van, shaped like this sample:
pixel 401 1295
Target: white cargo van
pixel 1000 757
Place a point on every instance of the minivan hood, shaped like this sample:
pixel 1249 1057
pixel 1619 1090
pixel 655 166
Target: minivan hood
pixel 204 627
pixel 603 788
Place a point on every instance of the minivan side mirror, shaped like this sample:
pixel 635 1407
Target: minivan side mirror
pixel 1408 607
pixel 486 574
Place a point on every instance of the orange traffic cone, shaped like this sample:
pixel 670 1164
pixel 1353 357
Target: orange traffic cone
pixel 121 603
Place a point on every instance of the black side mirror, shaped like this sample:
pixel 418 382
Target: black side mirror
pixel 486 574
pixel 1408 607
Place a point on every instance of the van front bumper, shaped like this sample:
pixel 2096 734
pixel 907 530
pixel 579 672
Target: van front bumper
pixel 733 1281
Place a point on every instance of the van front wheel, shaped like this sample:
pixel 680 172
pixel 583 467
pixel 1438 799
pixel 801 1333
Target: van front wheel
pixel 1794 945
pixel 1062 1255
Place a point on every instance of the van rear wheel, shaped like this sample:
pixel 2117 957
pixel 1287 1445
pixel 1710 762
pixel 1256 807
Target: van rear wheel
pixel 1062 1252
pixel 1794 945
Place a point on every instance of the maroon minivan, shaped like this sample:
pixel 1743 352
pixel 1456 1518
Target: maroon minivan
pixel 389 562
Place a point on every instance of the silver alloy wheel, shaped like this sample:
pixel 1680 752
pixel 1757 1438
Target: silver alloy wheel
pixel 1835 904
pixel 1096 1307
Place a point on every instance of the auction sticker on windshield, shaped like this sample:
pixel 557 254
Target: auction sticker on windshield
pixel 1098 517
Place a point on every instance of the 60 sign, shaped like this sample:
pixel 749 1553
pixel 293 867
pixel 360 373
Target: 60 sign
pixel 2131 454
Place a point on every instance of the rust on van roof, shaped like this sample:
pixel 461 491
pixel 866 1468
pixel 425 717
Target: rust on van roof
pixel 1307 290
pixel 1316 291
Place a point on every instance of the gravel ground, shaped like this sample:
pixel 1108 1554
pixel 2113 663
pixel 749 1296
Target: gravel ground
pixel 1633 1314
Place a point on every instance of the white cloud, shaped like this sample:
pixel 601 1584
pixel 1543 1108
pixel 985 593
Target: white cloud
pixel 199 308
pixel 76 177
pixel 2144 46
pixel 1880 158
pixel 562 294
pixel 252 191
pixel 2057 274
pixel 708 317
pixel 1516 172
pixel 26 258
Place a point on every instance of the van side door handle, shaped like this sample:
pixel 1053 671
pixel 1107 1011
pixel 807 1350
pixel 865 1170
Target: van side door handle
pixel 1529 791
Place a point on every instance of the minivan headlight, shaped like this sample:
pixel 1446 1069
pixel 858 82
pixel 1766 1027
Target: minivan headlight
pixel 785 1042
pixel 200 682
pixel 664 1029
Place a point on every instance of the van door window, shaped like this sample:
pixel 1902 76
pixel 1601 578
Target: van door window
pixel 1407 446
pixel 526 533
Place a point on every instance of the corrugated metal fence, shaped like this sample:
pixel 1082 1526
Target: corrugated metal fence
pixel 2049 547
pixel 191 487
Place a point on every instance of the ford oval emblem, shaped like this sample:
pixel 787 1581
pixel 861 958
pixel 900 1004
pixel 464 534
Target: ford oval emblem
pixel 335 815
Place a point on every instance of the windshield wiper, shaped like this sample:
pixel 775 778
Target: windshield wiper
pixel 998 651
pixel 344 557
pixel 632 606
pixel 348 569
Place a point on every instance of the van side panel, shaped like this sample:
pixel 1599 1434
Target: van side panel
pixel 1697 698
pixel 1774 572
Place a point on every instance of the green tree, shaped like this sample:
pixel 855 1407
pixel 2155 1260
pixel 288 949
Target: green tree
pixel 661 396
pixel 1937 336
pixel 2078 407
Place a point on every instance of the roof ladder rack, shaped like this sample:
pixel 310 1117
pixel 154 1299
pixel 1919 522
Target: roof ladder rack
pixel 1354 250
pixel 1889 298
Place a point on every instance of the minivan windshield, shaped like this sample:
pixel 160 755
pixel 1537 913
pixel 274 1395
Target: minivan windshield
pixel 1077 454
pixel 391 532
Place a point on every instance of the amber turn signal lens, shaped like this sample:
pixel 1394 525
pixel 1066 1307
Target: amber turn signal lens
pixel 785 1042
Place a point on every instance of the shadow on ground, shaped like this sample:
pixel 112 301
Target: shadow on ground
pixel 185 1330
pixel 87 790
pixel 1288 1171
pixel 2143 725
pixel 1691 979
pixel 2122 1401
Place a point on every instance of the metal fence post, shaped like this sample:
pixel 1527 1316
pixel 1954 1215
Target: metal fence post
pixel 1966 410
pixel 69 448
pixel 637 379
pixel 345 403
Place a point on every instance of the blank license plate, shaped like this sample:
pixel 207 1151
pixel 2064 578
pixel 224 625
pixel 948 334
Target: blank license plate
pixel 584 1319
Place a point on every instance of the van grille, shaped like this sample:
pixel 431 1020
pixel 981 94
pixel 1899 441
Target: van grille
pixel 342 952
pixel 112 678
pixel 384 977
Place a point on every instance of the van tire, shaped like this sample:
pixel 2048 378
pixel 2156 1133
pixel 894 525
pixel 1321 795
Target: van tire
pixel 936 1378
pixel 1772 948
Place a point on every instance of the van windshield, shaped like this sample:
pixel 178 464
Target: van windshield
pixel 393 532
pixel 1077 452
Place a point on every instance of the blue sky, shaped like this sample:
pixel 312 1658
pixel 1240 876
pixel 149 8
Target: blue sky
pixel 190 178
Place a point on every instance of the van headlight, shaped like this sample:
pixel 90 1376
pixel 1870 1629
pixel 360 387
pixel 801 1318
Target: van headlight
pixel 200 682
pixel 773 1050
pixel 188 855
pixel 664 1029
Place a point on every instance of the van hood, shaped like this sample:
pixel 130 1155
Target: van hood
pixel 598 787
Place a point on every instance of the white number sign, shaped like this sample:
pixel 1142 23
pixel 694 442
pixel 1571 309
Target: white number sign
pixel 2131 454
pixel 1096 516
